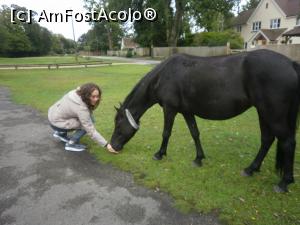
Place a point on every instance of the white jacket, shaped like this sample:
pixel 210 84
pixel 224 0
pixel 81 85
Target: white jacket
pixel 70 112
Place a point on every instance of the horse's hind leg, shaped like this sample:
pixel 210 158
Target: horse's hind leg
pixel 192 124
pixel 169 116
pixel 283 128
pixel 267 138
pixel 285 155
pixel 285 161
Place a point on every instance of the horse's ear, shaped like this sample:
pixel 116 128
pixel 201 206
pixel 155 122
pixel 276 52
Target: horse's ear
pixel 120 103
pixel 116 108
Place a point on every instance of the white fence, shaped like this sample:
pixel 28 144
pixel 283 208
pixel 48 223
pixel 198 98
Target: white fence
pixel 198 51
pixel 164 52
pixel 121 53
pixel 292 51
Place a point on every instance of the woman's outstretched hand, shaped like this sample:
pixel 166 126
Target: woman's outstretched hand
pixel 110 149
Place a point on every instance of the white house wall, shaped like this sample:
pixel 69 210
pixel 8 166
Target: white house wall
pixel 265 15
pixel 291 23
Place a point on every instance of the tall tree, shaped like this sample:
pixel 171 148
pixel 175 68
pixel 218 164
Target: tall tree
pixel 251 4
pixel 4 39
pixel 62 45
pixel 174 20
pixel 98 39
pixel 147 33
pixel 17 43
pixel 167 28
pixel 107 32
pixel 174 17
pixel 22 39
pixel 39 37
pixel 212 15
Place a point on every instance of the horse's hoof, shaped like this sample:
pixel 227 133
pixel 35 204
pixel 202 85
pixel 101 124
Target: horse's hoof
pixel 245 174
pixel 157 157
pixel 197 163
pixel 278 189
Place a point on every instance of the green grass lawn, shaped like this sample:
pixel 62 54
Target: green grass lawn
pixel 48 60
pixel 229 147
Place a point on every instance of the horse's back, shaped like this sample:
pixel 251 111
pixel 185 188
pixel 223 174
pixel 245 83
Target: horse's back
pixel 225 86
pixel 210 87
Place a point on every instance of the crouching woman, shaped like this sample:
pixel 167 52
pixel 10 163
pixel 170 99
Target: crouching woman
pixel 74 113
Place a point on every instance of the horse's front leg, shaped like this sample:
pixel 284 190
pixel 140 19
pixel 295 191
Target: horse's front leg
pixel 169 116
pixel 192 124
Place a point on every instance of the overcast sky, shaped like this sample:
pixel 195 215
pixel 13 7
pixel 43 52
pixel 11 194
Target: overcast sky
pixel 57 6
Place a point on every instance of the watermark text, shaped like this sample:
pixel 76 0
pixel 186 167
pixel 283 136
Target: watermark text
pixel 148 14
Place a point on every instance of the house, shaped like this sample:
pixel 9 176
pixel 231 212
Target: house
pixel 128 44
pixel 271 22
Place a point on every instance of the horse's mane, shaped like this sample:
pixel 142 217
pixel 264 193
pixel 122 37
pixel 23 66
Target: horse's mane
pixel 131 94
pixel 146 80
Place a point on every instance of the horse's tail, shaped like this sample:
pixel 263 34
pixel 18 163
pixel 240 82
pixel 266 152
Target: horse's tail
pixel 294 116
pixel 297 104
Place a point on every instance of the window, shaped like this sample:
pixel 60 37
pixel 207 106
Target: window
pixel 239 28
pixel 256 26
pixel 275 23
pixel 267 5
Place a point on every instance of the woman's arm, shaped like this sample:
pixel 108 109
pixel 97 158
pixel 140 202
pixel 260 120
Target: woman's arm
pixel 87 124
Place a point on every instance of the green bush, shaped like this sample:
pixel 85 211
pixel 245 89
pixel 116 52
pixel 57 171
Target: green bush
pixel 219 39
pixel 129 53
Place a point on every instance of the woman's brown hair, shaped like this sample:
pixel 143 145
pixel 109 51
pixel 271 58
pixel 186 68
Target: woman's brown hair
pixel 85 91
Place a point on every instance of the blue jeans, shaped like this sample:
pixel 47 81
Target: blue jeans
pixel 75 137
pixel 79 133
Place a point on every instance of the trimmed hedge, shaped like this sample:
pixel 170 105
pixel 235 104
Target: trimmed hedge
pixel 219 39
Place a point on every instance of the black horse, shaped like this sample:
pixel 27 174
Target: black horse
pixel 219 88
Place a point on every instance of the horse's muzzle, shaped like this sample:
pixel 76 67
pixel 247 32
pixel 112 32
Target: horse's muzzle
pixel 117 147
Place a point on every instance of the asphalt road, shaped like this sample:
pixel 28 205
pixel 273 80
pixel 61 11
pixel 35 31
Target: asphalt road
pixel 41 184
pixel 132 60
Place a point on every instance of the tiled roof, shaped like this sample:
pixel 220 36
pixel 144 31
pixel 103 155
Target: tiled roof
pixel 273 34
pixel 243 17
pixel 293 32
pixel 289 7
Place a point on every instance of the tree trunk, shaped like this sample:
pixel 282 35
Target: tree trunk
pixel 109 37
pixel 168 18
pixel 177 23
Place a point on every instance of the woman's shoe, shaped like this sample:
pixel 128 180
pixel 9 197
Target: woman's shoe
pixel 61 136
pixel 75 147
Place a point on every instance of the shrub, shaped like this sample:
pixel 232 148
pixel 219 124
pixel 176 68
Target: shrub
pixel 219 39
pixel 129 53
